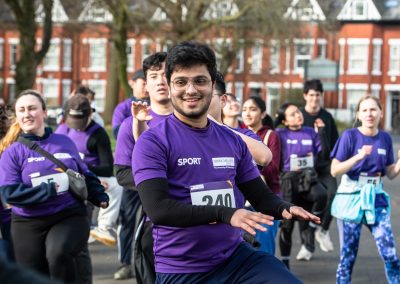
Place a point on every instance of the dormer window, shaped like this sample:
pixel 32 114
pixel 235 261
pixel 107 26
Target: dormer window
pixel 360 8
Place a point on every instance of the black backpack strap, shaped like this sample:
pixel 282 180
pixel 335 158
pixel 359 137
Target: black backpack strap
pixel 35 147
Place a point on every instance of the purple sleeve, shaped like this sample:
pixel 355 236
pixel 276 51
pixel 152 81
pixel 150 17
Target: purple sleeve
pixel 247 169
pixel 149 159
pixel 10 168
pixel 342 150
pixel 390 154
pixel 125 144
pixel 120 113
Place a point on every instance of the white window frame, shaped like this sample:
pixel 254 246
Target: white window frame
pixel 355 44
pixel 321 46
pixel 354 9
pixel 239 91
pixel 394 57
pixel 145 44
pixel 13 54
pixel 98 61
pixel 342 45
pixel 274 57
pixel 51 62
pixel 11 88
pixel 130 57
pixel 287 59
pixel 297 69
pixel 99 87
pixel 271 88
pixel 239 60
pixel 67 54
pixel 66 89
pixel 51 90
pixel 1 53
pixel 256 57
pixel 376 56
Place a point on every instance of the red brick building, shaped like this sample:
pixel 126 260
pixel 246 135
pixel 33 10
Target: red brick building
pixel 365 44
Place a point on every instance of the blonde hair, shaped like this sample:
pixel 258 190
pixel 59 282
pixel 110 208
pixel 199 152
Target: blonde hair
pixel 357 122
pixel 11 136
pixel 367 97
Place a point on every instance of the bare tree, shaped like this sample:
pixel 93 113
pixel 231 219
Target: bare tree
pixel 226 25
pixel 118 76
pixel 29 58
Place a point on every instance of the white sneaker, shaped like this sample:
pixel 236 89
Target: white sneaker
pixel 91 240
pixel 324 240
pixel 304 254
pixel 104 236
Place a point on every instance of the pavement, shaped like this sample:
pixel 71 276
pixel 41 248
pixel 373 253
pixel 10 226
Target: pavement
pixel 320 269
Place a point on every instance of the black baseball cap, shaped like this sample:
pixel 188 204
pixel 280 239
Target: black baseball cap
pixel 77 112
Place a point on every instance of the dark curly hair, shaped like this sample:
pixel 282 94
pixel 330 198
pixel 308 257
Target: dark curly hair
pixel 190 53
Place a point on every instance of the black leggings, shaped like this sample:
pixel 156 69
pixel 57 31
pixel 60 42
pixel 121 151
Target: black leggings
pixel 313 200
pixel 49 244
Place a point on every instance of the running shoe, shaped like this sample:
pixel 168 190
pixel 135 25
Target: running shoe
pixel 324 240
pixel 124 272
pixel 104 236
pixel 304 254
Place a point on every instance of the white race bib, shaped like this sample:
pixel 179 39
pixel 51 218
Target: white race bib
pixel 214 193
pixel 299 163
pixel 61 180
pixel 366 178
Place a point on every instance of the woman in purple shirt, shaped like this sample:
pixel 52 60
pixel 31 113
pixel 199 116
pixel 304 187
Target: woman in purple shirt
pixel 301 151
pixel 363 155
pixel 49 225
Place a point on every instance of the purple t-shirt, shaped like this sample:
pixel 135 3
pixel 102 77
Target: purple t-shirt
pixel 81 139
pixel 188 157
pixel 300 142
pixel 126 142
pixel 352 141
pixel 121 111
pixel 20 165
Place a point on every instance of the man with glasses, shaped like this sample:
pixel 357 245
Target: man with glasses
pixel 316 116
pixel 193 176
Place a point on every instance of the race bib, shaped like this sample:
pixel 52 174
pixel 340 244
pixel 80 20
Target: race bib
pixel 299 163
pixel 213 193
pixel 60 179
pixel 366 178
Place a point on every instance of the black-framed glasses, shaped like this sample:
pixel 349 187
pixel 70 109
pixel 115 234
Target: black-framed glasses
pixel 199 83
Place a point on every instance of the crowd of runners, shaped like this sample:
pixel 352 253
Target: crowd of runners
pixel 201 188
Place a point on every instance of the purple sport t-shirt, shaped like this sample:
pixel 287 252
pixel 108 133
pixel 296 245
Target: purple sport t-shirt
pixel 21 165
pixel 193 158
pixel 352 141
pixel 300 142
pixel 126 142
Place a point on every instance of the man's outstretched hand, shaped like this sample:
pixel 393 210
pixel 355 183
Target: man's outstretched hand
pixel 296 212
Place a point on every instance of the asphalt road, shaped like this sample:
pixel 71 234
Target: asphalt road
pixel 320 269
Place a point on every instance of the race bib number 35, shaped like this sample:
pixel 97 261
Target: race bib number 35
pixel 214 193
pixel 60 179
pixel 297 163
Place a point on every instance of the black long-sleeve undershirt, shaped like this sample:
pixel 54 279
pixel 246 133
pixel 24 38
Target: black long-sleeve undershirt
pixel 124 176
pixel 99 143
pixel 162 210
